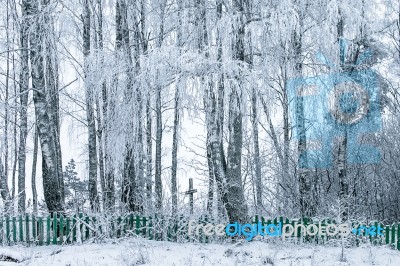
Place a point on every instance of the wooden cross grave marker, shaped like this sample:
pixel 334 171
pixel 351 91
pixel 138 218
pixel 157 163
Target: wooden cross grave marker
pixel 190 192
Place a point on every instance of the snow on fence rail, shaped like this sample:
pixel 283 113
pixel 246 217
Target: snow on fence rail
pixel 59 229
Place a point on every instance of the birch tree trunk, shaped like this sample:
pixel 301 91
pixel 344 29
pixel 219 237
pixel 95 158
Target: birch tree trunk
pixel 51 82
pixel 99 134
pixel 97 16
pixel 214 105
pixel 46 107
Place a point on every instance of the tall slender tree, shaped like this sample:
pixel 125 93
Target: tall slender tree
pixel 89 99
pixel 45 96
pixel 23 90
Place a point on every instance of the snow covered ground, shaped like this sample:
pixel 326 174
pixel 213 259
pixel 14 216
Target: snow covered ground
pixel 145 252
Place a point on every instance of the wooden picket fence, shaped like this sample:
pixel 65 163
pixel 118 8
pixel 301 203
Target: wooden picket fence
pixel 391 233
pixel 60 230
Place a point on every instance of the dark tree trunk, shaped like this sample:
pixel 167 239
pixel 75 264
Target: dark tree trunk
pixel 89 100
pixel 124 54
pixel 5 194
pixel 256 156
pixel 158 181
pixel 342 143
pixel 307 203
pixel 149 154
pixel 23 90
pixel 159 129
pixel 174 186
pixel 106 164
pixel 34 164
pixel 236 205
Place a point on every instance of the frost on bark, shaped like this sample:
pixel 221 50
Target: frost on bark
pixel 148 182
pixel 23 90
pixel 210 196
pixel 149 153
pixel 45 97
pixel 285 182
pixel 33 179
pixel 138 126
pixel 174 186
pixel 307 207
pixel 133 180
pixel 256 156
pixel 342 143
pixel 123 52
pixel 158 181
pixel 138 129
pixel 215 153
pixel 214 112
pixel 90 119
pixel 214 106
pixel 254 124
pixel 235 204
pixel 159 130
pixel 104 111
pixel 51 82
pixel 5 194
pixel 109 175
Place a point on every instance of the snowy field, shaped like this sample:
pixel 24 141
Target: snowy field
pixel 131 252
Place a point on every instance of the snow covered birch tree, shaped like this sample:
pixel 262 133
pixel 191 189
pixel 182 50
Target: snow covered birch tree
pixel 45 96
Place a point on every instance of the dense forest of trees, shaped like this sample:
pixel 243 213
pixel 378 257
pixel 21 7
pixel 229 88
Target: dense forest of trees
pixel 134 73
